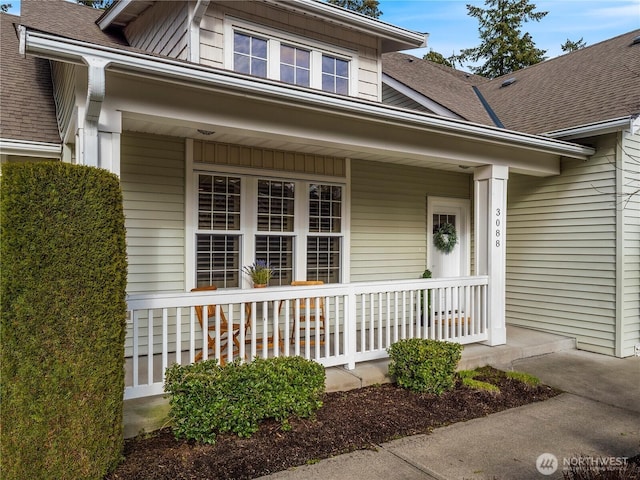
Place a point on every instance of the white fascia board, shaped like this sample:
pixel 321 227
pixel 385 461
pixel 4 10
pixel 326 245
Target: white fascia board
pixel 426 102
pixel 111 14
pixel 357 21
pixel 25 148
pixel 64 49
pixel 592 129
pixel 341 16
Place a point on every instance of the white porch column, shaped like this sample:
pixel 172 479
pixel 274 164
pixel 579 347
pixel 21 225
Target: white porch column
pixel 490 190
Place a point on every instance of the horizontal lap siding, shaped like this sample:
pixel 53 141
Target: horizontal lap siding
pixel 152 177
pixel 388 217
pixel 364 46
pixel 161 29
pixel 631 243
pixel 391 96
pixel 561 251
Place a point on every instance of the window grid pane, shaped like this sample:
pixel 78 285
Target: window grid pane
pixel 335 75
pixel 295 64
pixel 277 251
pixel 323 259
pixel 249 54
pixel 325 208
pixel 440 219
pixel 218 202
pixel 218 260
pixel 275 206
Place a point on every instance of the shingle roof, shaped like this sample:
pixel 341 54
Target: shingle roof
pixel 27 110
pixel 449 87
pixel 594 84
pixel 69 20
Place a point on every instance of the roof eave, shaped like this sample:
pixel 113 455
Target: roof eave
pixel 395 38
pixel 68 50
pixel 25 148
pixel 594 129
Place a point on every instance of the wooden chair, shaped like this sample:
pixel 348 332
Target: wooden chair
pixel 314 306
pixel 224 331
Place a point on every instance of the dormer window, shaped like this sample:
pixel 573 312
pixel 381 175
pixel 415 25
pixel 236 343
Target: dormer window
pixel 249 55
pixel 295 65
pixel 289 58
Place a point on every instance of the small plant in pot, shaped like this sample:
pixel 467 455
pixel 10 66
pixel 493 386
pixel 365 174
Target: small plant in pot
pixel 260 273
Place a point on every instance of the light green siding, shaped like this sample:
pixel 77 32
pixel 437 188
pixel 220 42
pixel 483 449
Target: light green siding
pixel 630 244
pixel 152 178
pixel 561 251
pixel 388 217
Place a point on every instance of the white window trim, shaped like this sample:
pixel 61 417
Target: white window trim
pixel 275 38
pixel 248 209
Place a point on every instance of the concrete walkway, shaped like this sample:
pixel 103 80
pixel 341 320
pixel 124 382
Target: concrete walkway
pixel 598 416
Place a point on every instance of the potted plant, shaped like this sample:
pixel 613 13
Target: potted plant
pixel 260 273
pixel 426 274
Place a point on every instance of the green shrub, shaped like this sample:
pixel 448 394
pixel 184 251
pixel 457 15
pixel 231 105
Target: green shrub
pixel 424 365
pixel 62 289
pixel 207 399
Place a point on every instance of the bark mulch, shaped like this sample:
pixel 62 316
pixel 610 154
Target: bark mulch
pixel 347 421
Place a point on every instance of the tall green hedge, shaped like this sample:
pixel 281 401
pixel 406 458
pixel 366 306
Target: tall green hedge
pixel 63 281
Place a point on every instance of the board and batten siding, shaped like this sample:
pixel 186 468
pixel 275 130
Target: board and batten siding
pixel 153 185
pixel 630 244
pixel 388 217
pixel 365 47
pixel 162 29
pixel 561 251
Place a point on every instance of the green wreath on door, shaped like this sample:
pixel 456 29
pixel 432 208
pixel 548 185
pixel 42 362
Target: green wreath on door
pixel 446 238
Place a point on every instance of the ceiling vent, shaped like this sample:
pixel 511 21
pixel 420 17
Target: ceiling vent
pixel 508 82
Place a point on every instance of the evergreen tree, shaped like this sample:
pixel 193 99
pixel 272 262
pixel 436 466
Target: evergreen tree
pixel 366 7
pixel 504 48
pixel 99 4
pixel 570 46
pixel 436 57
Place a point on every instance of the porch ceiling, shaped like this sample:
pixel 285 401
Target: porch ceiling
pixel 142 124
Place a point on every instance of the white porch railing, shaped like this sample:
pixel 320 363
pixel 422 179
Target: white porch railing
pixel 361 321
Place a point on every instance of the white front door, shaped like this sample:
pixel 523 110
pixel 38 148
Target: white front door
pixel 455 211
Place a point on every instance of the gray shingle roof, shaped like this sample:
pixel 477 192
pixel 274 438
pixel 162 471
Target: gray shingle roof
pixel 594 84
pixel 27 110
pixel 449 87
pixel 69 20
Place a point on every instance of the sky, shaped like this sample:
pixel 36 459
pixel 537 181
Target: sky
pixel 451 29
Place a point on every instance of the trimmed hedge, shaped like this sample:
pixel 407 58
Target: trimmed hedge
pixel 63 324
pixel 207 399
pixel 424 365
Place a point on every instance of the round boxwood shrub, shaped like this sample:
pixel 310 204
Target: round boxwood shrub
pixel 62 289
pixel 424 365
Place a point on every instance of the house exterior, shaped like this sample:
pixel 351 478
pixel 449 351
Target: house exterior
pixel 295 133
pixel 572 255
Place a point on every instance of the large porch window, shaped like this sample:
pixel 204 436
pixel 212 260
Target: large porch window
pixel 294 225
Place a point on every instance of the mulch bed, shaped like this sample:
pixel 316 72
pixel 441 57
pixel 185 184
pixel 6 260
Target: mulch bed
pixel 347 421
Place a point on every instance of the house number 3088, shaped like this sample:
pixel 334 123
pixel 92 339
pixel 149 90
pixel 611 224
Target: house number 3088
pixel 498 229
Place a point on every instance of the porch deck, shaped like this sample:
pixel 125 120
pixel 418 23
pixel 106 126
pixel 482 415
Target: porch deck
pixel 150 413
